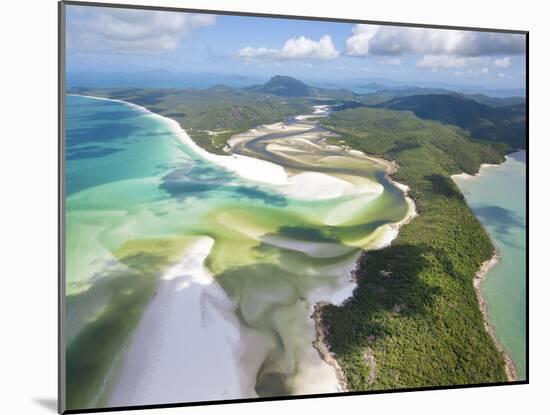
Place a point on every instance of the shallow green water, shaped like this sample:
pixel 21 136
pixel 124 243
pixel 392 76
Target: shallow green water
pixel 498 198
pixel 137 198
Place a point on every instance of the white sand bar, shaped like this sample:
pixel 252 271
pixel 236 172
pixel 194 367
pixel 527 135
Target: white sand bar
pixel 187 345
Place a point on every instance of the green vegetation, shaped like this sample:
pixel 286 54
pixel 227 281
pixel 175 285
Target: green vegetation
pixel 405 91
pixel 414 319
pixel 222 110
pixel 286 86
pixel 212 115
pixel 498 124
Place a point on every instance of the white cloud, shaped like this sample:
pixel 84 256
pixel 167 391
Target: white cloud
pixel 358 43
pixel 503 62
pixel 303 48
pixel 296 48
pixel 395 40
pixel 250 54
pixel 132 31
pixel 449 61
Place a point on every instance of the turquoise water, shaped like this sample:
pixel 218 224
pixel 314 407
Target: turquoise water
pixel 138 198
pixel 498 198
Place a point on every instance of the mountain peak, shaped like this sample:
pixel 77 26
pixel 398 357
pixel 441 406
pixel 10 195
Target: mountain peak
pixel 283 78
pixel 284 86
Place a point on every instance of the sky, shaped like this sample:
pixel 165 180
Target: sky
pixel 107 41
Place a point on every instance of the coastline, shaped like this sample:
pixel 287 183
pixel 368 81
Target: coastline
pixel 321 345
pixel 304 186
pixel 277 175
pixel 321 330
pixel 479 278
pixel 391 232
pixel 482 166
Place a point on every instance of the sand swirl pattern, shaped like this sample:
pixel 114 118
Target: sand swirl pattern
pixel 191 257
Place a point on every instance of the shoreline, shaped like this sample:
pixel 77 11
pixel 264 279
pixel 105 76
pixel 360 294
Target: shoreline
pixel 482 166
pixel 465 175
pixel 321 345
pixel 321 330
pixel 479 278
pixel 390 233
pixel 276 175
pixel 304 186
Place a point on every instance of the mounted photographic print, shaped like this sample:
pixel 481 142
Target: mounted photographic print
pixel 256 207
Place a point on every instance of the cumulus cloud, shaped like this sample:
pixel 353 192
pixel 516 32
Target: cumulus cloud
pixel 303 48
pixel 437 48
pixel 503 62
pixel 132 31
pixel 395 40
pixel 296 48
pixel 359 42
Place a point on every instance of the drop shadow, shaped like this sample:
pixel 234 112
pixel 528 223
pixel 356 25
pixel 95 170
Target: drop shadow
pixel 49 403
